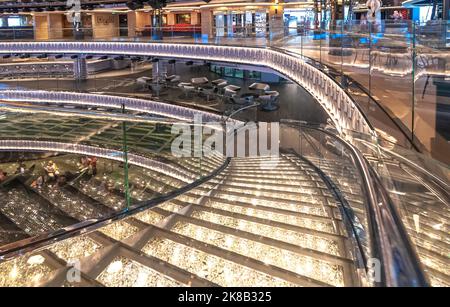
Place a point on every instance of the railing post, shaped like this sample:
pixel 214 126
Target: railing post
pixel 413 88
pixel 125 158
pixel 370 58
pixel 320 43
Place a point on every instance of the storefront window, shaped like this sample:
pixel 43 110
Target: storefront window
pixel 228 72
pixel 254 75
pixel 240 23
pixel 239 73
pixel 14 22
pixel 260 21
pixel 235 73
pixel 183 18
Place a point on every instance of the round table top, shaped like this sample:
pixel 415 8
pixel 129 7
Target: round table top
pixel 232 87
pixel 259 86
pixel 201 80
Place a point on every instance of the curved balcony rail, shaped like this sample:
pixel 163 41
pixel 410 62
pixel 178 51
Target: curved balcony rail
pixel 116 102
pixel 341 108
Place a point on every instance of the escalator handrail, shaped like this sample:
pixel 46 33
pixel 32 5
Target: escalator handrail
pixel 390 243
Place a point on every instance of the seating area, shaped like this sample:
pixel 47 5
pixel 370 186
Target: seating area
pixel 219 90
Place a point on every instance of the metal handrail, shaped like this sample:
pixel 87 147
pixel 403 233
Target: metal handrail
pixel 331 77
pixel 254 105
pixel 367 93
pixel 389 240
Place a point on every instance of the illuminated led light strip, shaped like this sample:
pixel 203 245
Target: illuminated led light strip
pixel 110 154
pixel 133 104
pixel 335 101
pixel 255 4
pixel 95 115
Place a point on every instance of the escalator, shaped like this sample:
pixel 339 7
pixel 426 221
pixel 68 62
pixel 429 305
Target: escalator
pixel 28 212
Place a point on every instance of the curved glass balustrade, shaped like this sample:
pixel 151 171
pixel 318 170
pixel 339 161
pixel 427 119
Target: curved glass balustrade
pixel 419 189
pixel 396 69
pixel 305 217
pixel 326 211
pixel 62 168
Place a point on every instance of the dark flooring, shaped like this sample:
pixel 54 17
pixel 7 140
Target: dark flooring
pixel 294 102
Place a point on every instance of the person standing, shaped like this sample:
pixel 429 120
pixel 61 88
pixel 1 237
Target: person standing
pixel 2 175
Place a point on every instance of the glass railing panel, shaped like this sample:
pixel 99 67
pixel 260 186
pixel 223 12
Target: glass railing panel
pixel 335 165
pixel 431 88
pixel 418 187
pixel 354 59
pixel 68 164
pixel 391 67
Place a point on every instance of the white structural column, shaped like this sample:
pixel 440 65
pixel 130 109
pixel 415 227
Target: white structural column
pixel 207 23
pixel 80 68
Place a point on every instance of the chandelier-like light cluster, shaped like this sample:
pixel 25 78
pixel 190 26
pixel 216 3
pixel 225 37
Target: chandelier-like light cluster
pixel 218 270
pixel 306 266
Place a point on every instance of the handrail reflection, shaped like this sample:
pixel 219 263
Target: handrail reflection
pixel 389 240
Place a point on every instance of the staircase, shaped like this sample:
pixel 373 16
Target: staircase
pixel 259 223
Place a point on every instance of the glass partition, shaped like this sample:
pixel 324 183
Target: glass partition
pixel 418 186
pixel 332 183
pixel 69 164
pixel 395 70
